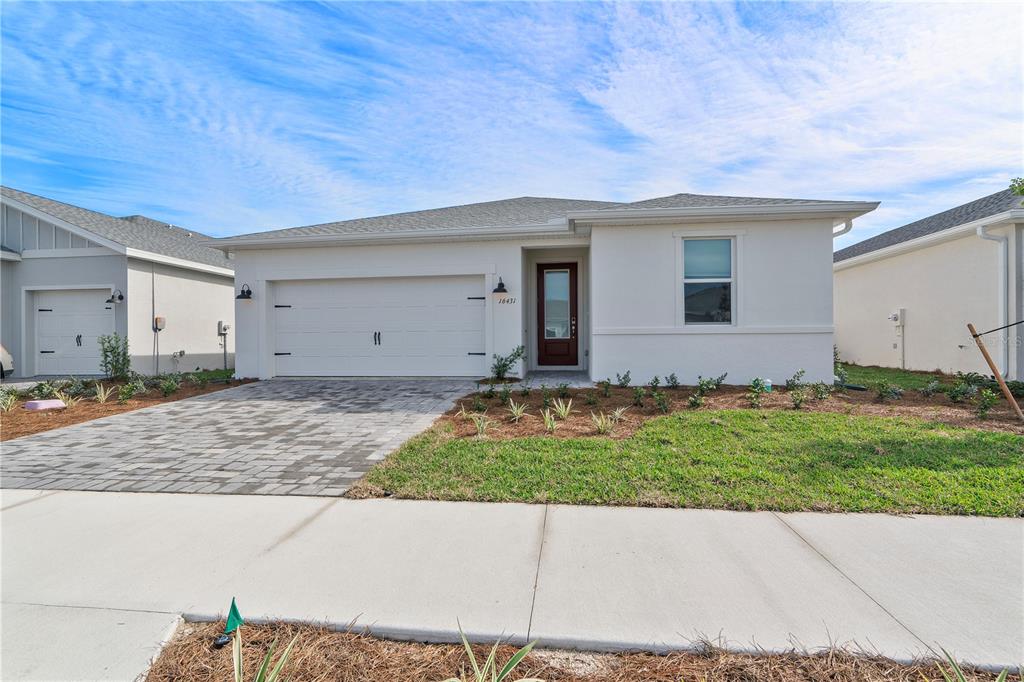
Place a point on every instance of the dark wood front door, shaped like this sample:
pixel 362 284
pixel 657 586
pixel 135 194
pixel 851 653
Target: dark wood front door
pixel 557 306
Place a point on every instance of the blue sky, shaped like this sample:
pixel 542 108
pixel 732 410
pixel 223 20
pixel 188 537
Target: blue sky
pixel 237 117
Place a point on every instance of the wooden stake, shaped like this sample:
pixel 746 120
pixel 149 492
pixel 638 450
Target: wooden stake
pixel 995 371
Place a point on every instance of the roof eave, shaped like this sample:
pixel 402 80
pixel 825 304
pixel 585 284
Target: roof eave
pixel 845 210
pixel 404 236
pixel 1014 215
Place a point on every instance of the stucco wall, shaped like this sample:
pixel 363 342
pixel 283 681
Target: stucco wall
pixel 192 303
pixel 783 303
pixel 942 288
pixel 260 268
pixel 69 273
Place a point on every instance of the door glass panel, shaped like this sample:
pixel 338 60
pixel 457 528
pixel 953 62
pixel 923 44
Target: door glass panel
pixel 556 304
pixel 707 259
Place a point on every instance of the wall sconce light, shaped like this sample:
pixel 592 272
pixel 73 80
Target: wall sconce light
pixel 500 292
pixel 244 294
pixel 115 296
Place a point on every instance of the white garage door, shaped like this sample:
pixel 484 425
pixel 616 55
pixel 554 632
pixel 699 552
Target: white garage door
pixel 387 326
pixel 68 326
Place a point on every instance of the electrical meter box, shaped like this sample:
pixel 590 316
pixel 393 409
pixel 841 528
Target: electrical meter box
pixel 159 323
pixel 222 328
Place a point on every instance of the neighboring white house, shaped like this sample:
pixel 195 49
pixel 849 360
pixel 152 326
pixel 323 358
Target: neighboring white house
pixel 69 275
pixel 687 283
pixel 903 298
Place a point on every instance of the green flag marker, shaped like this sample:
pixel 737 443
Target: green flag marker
pixel 234 618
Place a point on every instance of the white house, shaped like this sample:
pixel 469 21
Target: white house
pixel 687 283
pixel 69 275
pixel 903 298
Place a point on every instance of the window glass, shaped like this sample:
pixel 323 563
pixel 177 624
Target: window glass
pixel 556 304
pixel 707 259
pixel 709 303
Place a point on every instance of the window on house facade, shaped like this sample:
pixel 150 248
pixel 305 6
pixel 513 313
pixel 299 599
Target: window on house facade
pixel 708 281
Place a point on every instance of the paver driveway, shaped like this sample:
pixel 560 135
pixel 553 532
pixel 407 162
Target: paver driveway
pixel 279 437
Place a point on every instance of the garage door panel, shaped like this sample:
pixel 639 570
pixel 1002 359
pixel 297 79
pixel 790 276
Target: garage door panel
pixel 68 324
pixel 428 326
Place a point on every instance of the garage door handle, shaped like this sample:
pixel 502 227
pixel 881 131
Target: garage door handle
pixel 45 310
pixel 282 306
pixel 282 353
pixel 476 353
pixel 476 298
pixel 47 351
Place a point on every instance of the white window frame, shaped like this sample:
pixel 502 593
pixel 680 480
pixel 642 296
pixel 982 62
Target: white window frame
pixel 736 240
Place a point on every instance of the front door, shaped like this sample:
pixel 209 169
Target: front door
pixel 557 307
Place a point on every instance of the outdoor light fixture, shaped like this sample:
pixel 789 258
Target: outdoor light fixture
pixel 115 296
pixel 500 291
pixel 244 294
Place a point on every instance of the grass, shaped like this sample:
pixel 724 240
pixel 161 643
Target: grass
pixel 904 378
pixel 214 374
pixel 728 459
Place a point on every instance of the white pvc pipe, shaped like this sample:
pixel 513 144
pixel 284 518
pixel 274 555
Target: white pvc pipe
pixel 1004 287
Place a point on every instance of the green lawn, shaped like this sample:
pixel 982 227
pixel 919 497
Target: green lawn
pixel 732 459
pixel 904 378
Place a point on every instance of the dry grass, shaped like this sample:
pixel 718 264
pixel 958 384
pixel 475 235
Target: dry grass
pixel 321 654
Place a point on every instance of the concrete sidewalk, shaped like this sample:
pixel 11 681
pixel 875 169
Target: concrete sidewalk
pixel 604 578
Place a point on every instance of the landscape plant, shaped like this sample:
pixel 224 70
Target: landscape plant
pixel 590 399
pixel 8 400
pixel 695 400
pixel 481 422
pixel 563 409
pixel 619 413
pixel 265 673
pixel 603 423
pixel 886 390
pixel 168 386
pixel 489 392
pixel 503 364
pixel 796 381
pixel 478 404
pixel 623 380
pixel 822 391
pixel 639 393
pixel 655 383
pixel 962 391
pixel 545 396
pixel 506 394
pixel 516 411
pixel 672 381
pixel 931 388
pixel 841 374
pixel 43 390
pixel 563 390
pixel 126 392
pixel 102 393
pixel 114 358
pixel 661 401
pixel 987 398
pixel 798 396
pixel 66 398
pixel 756 392
pixel 524 390
pixel 550 422
pixel 489 672
pixel 606 387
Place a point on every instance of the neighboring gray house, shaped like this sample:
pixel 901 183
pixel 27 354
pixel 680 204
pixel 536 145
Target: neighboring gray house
pixel 69 275
pixel 903 298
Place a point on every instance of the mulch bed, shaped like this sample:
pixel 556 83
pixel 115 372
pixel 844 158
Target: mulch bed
pixel 20 422
pixel 321 654
pixel 937 408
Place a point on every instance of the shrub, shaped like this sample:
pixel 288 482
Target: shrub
pixel 168 386
pixel 489 392
pixel 1016 388
pixel 821 390
pixel 481 422
pixel 931 388
pixel 987 399
pixel 43 390
pixel 200 380
pixel 672 381
pixel 478 404
pixel 516 411
pixel 503 363
pixel 842 375
pixel 590 398
pixel 524 390
pixel 126 392
pixel 655 383
pixel 962 391
pixel 74 387
pixel 886 390
pixel 603 423
pixel 623 380
pixel 550 423
pixel 563 409
pixel 506 394
pixel 606 387
pixel 102 393
pixel 545 396
pixel 563 390
pixel 799 396
pixel 795 381
pixel 661 401
pixel 638 396
pixel 972 379
pixel 114 358
pixel 755 393
pixel 695 400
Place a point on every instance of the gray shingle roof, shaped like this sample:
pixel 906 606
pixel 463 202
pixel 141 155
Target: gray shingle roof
pixel 974 210
pixel 506 213
pixel 136 232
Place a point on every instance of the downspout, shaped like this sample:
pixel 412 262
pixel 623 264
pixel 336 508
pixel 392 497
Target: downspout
pixel 1004 286
pixel 847 226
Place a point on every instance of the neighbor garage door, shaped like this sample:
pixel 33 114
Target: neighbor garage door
pixel 68 326
pixel 394 326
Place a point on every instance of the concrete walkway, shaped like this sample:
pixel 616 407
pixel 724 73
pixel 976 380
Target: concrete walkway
pixel 604 578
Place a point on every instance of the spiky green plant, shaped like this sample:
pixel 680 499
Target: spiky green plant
pixel 102 393
pixel 956 674
pixel 550 422
pixel 489 672
pixel 481 422
pixel 8 401
pixel 619 413
pixel 265 673
pixel 563 408
pixel 66 398
pixel 516 411
pixel 603 423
